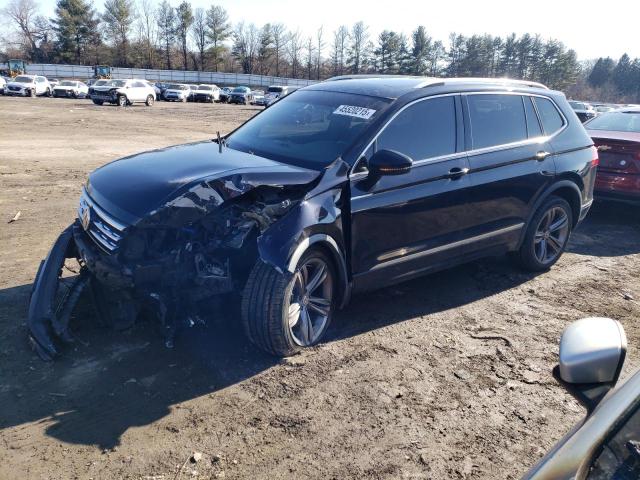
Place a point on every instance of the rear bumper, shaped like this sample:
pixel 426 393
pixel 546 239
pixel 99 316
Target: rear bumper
pixel 617 186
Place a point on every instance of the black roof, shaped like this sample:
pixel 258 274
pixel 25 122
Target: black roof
pixel 392 87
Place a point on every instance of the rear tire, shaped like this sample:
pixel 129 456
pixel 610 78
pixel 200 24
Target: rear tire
pixel 547 235
pixel 280 315
pixel 149 101
pixel 98 102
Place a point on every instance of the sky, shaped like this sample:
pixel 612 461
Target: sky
pixel 577 24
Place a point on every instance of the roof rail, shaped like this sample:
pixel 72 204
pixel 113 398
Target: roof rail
pixel 489 81
pixel 360 76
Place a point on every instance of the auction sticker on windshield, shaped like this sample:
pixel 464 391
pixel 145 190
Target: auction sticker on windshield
pixel 353 111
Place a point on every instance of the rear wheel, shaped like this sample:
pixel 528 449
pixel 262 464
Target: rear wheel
pixel 122 101
pixel 149 101
pixel 547 235
pixel 98 102
pixel 281 316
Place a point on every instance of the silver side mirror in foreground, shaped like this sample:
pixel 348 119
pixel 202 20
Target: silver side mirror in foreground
pixel 592 352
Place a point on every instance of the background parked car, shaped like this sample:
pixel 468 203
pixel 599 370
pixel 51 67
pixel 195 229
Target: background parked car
pixel 225 93
pixel 160 88
pixel 258 98
pixel 53 82
pixel 71 88
pixel 583 110
pixel 617 136
pixel 28 86
pixel 192 93
pixel 241 95
pixel 176 92
pixel 275 92
pixel 207 93
pixel 3 84
pixel 124 92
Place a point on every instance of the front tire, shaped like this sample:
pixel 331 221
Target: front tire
pixel 98 102
pixel 281 316
pixel 149 101
pixel 32 93
pixel 122 101
pixel 547 235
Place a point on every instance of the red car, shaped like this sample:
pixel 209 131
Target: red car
pixel 617 136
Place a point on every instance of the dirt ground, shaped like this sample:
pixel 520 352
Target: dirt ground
pixel 442 377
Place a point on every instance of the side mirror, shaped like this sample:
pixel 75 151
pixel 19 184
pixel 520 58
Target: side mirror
pixel 389 162
pixel 592 352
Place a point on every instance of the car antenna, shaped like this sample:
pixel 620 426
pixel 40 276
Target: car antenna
pixel 219 142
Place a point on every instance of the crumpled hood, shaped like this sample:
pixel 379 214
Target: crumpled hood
pixel 20 84
pixel 135 186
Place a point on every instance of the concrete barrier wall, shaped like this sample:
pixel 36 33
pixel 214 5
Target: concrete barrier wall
pixel 82 72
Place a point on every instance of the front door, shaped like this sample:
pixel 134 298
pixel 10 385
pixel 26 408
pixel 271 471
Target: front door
pixel 403 224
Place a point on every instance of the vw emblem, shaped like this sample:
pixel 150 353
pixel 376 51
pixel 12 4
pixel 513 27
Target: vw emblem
pixel 85 215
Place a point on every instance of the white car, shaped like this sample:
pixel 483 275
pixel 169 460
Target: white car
pixel 176 92
pixel 123 93
pixel 28 86
pixel 275 92
pixel 207 93
pixel 71 88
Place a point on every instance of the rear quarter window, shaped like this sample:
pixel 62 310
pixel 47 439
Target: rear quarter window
pixel 551 119
pixel 496 119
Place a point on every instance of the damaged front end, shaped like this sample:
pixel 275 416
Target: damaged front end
pixel 170 263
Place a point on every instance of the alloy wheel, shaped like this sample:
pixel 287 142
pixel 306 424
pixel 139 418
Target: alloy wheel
pixel 551 235
pixel 310 301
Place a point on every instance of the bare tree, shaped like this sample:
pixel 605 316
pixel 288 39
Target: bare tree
pixel 219 29
pixel 245 46
pixel 339 48
pixel 310 56
pixel 357 50
pixel 33 28
pixel 199 34
pixel 147 33
pixel 278 35
pixel 319 47
pixel 294 50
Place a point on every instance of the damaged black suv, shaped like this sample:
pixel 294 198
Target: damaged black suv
pixel 347 185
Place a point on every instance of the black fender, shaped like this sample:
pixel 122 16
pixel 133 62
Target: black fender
pixel 554 187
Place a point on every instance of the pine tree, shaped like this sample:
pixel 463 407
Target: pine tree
pixel 184 20
pixel 76 28
pixel 166 18
pixel 118 17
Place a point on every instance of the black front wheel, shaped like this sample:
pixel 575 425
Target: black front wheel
pixel 283 315
pixel 547 235
pixel 122 101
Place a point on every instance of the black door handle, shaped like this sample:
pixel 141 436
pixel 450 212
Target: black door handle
pixel 457 172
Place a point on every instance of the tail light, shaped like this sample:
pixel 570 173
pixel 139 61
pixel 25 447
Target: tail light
pixel 596 158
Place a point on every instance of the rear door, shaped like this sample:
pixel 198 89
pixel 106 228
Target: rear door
pixel 403 224
pixel 510 161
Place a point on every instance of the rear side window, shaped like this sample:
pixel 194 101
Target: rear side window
pixel 533 125
pixel 424 130
pixel 496 119
pixel 549 116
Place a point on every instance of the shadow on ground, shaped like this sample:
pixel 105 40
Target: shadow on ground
pixel 112 381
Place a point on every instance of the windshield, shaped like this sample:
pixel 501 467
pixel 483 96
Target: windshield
pixel 204 87
pixel 100 83
pixel 175 86
pixel 616 121
pixel 240 90
pixel 578 106
pixel 21 79
pixel 118 83
pixel 308 128
pixel 67 83
pixel 275 90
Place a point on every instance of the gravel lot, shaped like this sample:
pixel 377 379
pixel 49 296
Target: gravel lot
pixel 442 377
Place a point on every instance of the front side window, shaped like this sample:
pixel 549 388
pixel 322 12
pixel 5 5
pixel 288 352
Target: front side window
pixel 423 130
pixel 310 128
pixel 619 457
pixel 496 120
pixel 549 116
